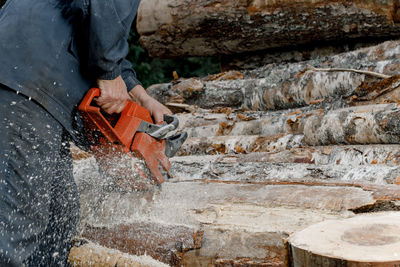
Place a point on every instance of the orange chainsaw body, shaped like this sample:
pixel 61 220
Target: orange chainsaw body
pixel 123 137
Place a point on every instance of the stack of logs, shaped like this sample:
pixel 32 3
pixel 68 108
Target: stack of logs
pixel 271 150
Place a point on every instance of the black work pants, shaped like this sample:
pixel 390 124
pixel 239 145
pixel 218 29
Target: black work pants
pixel 39 203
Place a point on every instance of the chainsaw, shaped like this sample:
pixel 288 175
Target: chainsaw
pixel 129 135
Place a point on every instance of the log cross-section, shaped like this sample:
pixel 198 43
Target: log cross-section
pixel 371 240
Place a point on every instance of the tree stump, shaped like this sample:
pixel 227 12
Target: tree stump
pixel 364 240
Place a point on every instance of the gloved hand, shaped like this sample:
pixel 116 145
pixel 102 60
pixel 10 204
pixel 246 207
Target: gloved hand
pixel 113 95
pixel 139 95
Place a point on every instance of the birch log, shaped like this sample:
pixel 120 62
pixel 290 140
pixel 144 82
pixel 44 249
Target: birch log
pixel 283 86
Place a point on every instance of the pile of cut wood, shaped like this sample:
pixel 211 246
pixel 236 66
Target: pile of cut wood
pixel 281 160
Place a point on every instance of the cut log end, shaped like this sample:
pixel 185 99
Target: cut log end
pixel 91 254
pixel 365 240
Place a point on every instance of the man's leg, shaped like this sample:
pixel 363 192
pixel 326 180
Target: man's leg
pixel 39 204
pixel 64 214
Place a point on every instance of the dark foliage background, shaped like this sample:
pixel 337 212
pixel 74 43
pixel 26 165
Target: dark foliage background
pixel 154 70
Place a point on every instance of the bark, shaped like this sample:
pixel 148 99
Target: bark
pixel 239 144
pixel 283 86
pixel 349 164
pixel 322 155
pixel 368 240
pixel 176 28
pixel 183 170
pixel 257 59
pixel 376 124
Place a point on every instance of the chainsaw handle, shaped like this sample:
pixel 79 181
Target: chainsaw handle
pixel 171 120
pixel 88 99
pixel 125 127
pixel 93 115
pixel 170 124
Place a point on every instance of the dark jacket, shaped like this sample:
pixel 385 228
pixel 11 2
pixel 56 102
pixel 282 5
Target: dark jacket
pixel 54 50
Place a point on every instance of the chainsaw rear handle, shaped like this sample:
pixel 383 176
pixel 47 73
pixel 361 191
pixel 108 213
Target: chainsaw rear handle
pixel 127 124
pixel 94 113
pixel 133 134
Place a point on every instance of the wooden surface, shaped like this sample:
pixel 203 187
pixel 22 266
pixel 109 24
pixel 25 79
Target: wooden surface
pixel 258 166
pixel 366 240
pixel 176 28
pixel 93 255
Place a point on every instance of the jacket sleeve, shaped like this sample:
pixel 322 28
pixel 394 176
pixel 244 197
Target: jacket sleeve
pixel 129 75
pixel 109 23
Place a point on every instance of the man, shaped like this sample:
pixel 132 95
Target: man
pixel 51 53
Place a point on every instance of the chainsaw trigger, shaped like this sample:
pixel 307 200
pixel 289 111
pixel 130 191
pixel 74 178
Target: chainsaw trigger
pixel 174 143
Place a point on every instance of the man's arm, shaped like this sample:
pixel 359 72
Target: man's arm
pixel 109 25
pixel 157 110
pixel 129 75
pixel 138 94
